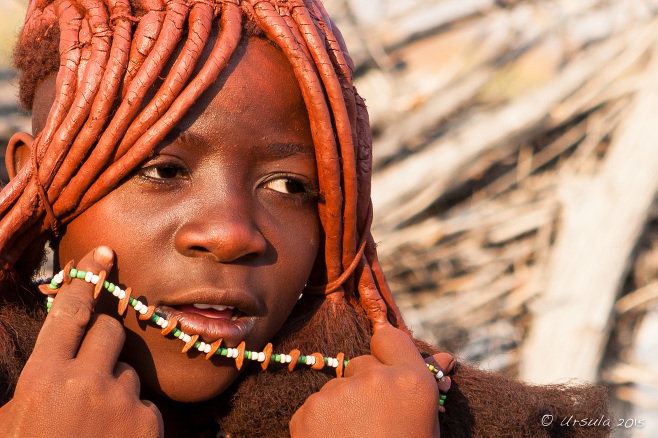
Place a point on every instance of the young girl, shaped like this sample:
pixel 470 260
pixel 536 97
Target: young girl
pixel 208 163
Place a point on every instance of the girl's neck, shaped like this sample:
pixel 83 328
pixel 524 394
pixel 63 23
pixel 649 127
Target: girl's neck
pixel 185 420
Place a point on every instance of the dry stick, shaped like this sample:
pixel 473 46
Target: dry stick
pixel 326 152
pixel 146 34
pixel 608 211
pixel 201 17
pixel 225 45
pixel 102 105
pixel 343 129
pixel 130 105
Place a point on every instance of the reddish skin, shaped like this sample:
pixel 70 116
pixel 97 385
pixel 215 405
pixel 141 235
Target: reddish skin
pixel 210 211
pixel 79 373
pixel 393 381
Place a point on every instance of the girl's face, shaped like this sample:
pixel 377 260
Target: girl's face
pixel 223 214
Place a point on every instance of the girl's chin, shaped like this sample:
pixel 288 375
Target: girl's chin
pixel 182 387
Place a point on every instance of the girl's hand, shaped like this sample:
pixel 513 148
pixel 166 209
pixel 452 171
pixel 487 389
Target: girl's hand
pixel 72 384
pixel 390 393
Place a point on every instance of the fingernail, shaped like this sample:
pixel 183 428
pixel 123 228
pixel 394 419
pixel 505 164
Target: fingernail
pixel 103 255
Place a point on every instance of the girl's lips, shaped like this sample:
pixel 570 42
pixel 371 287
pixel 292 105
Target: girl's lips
pixel 211 324
pixel 208 313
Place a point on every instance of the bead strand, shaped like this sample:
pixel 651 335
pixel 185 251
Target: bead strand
pixel 170 327
pixel 316 360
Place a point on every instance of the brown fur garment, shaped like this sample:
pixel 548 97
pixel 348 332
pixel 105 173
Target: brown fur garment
pixel 479 404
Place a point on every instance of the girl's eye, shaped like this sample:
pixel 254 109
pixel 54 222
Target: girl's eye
pixel 165 171
pixel 286 185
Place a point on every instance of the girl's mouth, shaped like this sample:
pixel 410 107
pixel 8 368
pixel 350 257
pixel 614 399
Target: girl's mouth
pixel 211 321
pixel 214 311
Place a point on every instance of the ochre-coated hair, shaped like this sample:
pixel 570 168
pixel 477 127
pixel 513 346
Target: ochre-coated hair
pixel 102 127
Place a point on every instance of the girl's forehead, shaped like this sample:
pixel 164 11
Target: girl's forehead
pixel 256 96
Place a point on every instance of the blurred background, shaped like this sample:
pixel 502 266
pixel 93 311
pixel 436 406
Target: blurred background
pixel 516 173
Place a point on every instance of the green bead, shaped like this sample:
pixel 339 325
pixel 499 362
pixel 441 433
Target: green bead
pixel 155 318
pixel 176 333
pixel 443 396
pixel 277 358
pixel 73 272
pixel 273 358
pixel 110 288
pixel 106 284
pixel 132 301
pixel 81 274
pixel 49 305
pixel 196 344
pixel 53 286
pixel 302 359
pixel 345 363
pixel 441 402
pixel 223 352
pixel 247 354
pixel 326 360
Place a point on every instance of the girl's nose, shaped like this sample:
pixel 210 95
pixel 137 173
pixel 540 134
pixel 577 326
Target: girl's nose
pixel 224 233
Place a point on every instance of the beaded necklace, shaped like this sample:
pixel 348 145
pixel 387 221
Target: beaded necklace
pixel 316 361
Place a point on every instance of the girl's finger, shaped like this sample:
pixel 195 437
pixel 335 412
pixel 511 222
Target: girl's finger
pixel 127 377
pixel 394 347
pixel 360 364
pixel 102 343
pixel 69 315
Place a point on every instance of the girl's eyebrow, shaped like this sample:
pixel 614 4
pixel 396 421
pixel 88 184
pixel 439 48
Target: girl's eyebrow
pixel 287 149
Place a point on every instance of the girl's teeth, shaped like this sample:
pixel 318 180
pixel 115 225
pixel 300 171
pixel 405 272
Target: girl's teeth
pixel 217 307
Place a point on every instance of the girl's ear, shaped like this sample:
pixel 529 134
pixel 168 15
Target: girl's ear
pixel 18 153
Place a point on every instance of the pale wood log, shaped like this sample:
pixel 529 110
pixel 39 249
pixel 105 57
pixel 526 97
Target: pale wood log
pixel 397 197
pixel 602 217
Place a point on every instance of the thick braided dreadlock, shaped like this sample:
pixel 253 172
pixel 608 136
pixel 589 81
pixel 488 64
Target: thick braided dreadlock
pixel 100 128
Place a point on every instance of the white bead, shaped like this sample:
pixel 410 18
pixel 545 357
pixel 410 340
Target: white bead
pixel 51 298
pixel 229 352
pixel 116 291
pixel 58 278
pixel 439 374
pixel 187 338
pixel 309 360
pixel 88 276
pixel 94 279
pixel 163 323
pixel 138 306
pixel 182 335
pixel 202 346
pixel 122 294
pixel 207 348
pixel 144 310
pixel 261 357
pixel 335 363
pixel 288 358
